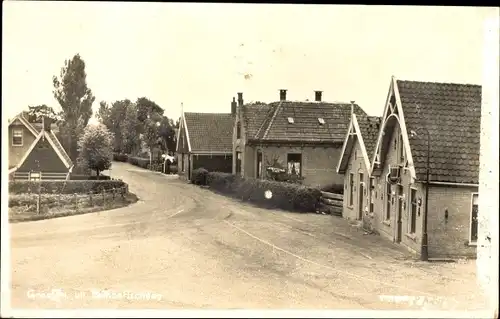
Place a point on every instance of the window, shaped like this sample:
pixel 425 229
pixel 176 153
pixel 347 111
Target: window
pixel 474 218
pixel 238 129
pixel 413 211
pixel 238 162
pixel 290 120
pixel 17 137
pixel 294 164
pixel 259 164
pixel 35 176
pixel 372 190
pixel 182 161
pixel 401 149
pixel 388 201
pixel 321 120
pixel 351 189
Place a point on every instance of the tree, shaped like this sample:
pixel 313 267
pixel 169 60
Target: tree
pixel 130 127
pixel 75 99
pixel 36 113
pixel 95 148
pixel 147 108
pixel 166 133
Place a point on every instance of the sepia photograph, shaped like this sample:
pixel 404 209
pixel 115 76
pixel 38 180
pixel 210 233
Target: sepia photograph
pixel 249 160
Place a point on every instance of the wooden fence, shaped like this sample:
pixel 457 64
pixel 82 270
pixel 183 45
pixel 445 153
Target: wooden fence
pixel 331 203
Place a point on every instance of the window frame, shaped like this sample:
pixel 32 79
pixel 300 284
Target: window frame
pixel 372 190
pixel 238 162
pixel 474 242
pixel 14 131
pixel 351 189
pixel 238 130
pixel 258 171
pixel 288 161
pixel 36 179
pixel 412 215
pixel 387 204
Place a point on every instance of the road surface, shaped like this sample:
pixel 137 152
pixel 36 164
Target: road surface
pixel 182 246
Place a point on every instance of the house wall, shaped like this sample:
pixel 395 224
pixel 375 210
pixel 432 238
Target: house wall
pixel 449 237
pixel 318 163
pixel 214 163
pixel 389 227
pixel 356 165
pixel 16 153
pixel 43 158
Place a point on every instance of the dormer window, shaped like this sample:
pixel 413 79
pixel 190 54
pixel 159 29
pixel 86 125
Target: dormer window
pixel 290 120
pixel 321 120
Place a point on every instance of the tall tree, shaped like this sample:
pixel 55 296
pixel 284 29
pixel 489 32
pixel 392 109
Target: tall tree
pixel 95 148
pixel 75 99
pixel 147 108
pixel 130 127
pixel 36 113
pixel 166 132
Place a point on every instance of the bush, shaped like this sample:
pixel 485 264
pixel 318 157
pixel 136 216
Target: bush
pixel 139 161
pixel 286 196
pixel 120 157
pixel 173 169
pixel 199 176
pixel 334 188
pixel 75 177
pixel 64 187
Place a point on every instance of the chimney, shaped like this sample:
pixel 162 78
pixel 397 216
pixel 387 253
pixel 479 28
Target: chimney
pixel 282 95
pixel 240 99
pixel 317 96
pixel 46 123
pixel 233 106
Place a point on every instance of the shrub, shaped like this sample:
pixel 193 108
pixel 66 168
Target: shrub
pixel 120 157
pixel 286 196
pixel 174 169
pixel 75 177
pixel 334 188
pixel 64 187
pixel 199 176
pixel 139 161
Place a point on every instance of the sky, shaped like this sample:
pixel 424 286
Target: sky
pixel 201 55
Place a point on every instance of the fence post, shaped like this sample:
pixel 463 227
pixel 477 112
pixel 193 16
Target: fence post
pixel 90 198
pixel 38 203
pixel 103 197
pixel 76 201
pixel 114 193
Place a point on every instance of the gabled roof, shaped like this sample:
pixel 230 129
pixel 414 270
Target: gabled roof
pixel 270 122
pixel 55 144
pixel 363 130
pixel 34 128
pixel 209 132
pixel 452 115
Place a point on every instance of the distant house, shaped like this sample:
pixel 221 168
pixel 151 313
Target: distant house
pixel 450 114
pixel 34 150
pixel 355 164
pixel 204 142
pixel 304 138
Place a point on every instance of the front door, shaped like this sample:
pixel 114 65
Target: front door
pixel 361 191
pixel 399 213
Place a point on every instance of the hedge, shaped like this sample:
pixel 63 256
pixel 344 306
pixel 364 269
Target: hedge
pixel 64 187
pixel 286 196
pixel 199 176
pixel 139 161
pixel 120 157
pixel 75 177
pixel 334 188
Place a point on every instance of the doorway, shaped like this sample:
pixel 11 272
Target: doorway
pixel 399 214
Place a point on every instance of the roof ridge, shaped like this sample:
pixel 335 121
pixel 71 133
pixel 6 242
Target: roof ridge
pixel 272 119
pixel 443 83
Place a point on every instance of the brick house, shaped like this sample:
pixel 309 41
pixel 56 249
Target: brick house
pixel 34 150
pixel 355 165
pixel 204 140
pixel 450 113
pixel 304 138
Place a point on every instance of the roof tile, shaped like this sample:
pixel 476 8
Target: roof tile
pixel 452 115
pixel 210 132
